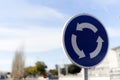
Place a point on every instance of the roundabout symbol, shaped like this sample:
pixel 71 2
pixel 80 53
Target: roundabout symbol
pixel 86 51
pixel 81 53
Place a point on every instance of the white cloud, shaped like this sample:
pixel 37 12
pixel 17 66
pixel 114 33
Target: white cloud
pixel 5 64
pixel 106 2
pixel 30 62
pixel 113 31
pixel 22 9
pixel 34 39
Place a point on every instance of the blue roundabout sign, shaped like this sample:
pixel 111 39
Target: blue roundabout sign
pixel 85 40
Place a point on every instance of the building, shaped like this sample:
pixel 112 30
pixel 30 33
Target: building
pixel 110 66
pixel 108 69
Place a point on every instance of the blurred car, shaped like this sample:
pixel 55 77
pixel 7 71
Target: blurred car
pixel 3 77
pixel 52 77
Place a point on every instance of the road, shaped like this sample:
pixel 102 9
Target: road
pixel 29 79
pixel 35 79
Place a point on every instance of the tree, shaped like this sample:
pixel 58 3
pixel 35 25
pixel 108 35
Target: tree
pixel 18 65
pixel 41 67
pixel 53 72
pixel 30 71
pixel 38 69
pixel 8 73
pixel 63 71
pixel 73 69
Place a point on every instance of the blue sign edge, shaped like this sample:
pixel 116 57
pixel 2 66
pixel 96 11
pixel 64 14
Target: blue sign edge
pixel 63 43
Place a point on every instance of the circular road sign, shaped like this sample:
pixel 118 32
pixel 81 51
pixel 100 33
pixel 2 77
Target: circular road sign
pixel 85 40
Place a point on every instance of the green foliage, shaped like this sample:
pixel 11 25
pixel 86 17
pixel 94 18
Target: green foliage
pixel 31 70
pixel 63 71
pixel 73 69
pixel 41 68
pixel 8 73
pixel 53 72
pixel 38 69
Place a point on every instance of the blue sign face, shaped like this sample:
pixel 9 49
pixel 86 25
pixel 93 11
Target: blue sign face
pixel 85 40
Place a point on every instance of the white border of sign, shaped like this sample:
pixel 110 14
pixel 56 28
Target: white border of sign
pixel 63 44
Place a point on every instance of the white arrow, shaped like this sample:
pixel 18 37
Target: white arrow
pixel 86 25
pixel 97 50
pixel 79 52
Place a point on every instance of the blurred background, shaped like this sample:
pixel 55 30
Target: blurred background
pixel 31 32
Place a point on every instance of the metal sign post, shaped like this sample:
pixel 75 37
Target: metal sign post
pixel 85 74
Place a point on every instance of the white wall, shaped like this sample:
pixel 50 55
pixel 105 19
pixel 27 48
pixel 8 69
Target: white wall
pixel 80 78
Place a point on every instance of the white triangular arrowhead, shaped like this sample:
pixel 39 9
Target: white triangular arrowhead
pixel 79 52
pixel 82 52
pixel 100 40
pixel 79 27
pixel 98 48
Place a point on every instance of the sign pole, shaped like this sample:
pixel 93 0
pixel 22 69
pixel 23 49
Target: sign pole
pixel 85 73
